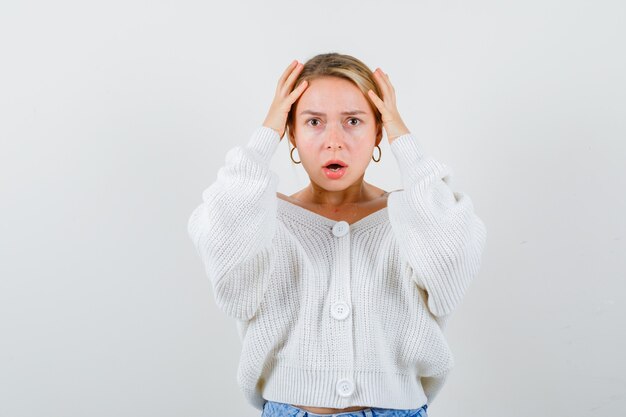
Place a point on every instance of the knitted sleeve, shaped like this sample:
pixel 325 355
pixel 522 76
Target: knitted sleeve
pixel 438 233
pixel 233 228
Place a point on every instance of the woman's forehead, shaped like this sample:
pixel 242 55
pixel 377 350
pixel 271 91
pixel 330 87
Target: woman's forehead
pixel 332 95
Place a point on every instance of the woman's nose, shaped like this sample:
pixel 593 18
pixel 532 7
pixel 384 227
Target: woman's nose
pixel 334 136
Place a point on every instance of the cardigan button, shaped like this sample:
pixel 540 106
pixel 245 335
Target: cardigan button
pixel 345 387
pixel 340 310
pixel 341 228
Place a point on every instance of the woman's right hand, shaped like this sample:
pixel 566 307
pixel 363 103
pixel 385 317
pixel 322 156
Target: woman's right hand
pixel 284 98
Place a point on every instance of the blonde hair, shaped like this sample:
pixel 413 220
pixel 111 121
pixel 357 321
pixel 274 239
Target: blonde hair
pixel 342 66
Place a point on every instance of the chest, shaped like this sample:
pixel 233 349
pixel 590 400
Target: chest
pixel 350 213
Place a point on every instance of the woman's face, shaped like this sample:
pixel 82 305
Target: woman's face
pixel 334 120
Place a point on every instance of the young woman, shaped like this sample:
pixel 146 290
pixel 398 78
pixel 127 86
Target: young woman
pixel 340 291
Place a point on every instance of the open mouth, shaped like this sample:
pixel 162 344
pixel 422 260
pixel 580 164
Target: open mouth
pixel 334 167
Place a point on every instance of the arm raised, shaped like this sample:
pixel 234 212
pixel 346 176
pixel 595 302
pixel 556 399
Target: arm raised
pixel 232 229
pixel 438 233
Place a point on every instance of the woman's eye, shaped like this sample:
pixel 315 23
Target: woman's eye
pixel 313 120
pixel 355 119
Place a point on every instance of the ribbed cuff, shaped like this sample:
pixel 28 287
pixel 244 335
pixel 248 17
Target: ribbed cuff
pixel 407 151
pixel 264 141
pixel 415 165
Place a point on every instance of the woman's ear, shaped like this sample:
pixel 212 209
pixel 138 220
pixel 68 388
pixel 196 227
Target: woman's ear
pixel 290 137
pixel 379 134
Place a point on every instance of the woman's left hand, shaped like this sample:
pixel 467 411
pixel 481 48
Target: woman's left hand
pixel 392 122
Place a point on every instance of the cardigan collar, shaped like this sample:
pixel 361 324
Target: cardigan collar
pixel 297 212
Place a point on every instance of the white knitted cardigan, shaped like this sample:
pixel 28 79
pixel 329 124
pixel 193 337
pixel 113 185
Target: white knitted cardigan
pixel 332 314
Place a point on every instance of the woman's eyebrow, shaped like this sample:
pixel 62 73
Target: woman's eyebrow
pixel 317 113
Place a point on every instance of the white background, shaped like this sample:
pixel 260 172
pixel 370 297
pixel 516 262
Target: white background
pixel 115 116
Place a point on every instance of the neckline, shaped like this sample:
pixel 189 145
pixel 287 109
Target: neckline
pixel 372 218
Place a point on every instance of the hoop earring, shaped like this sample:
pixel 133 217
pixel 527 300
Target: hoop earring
pixel 380 153
pixel 291 155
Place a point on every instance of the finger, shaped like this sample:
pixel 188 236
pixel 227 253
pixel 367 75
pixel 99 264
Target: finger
pixel 377 101
pixel 292 78
pixel 393 90
pixel 390 91
pixel 287 71
pixel 382 83
pixel 389 82
pixel 293 96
